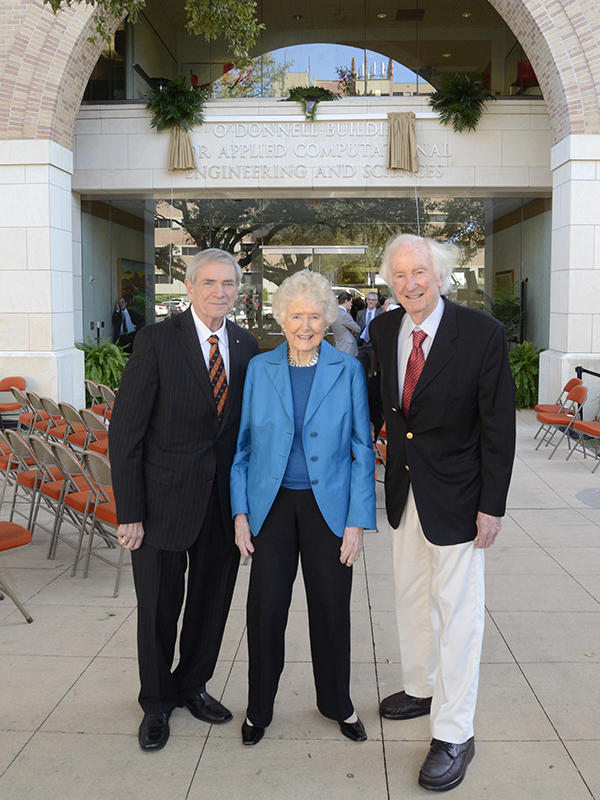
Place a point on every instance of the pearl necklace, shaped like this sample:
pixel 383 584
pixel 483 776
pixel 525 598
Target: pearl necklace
pixel 311 363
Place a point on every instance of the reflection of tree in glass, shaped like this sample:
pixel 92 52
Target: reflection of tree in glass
pixel 462 221
pixel 346 81
pixel 262 77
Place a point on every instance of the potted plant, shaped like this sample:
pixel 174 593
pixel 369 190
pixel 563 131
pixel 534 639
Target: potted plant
pixel 104 361
pixel 525 366
pixel 177 108
pixel 310 97
pixel 460 99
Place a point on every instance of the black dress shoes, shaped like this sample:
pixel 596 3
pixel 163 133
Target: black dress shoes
pixel 251 734
pixel 404 706
pixel 446 764
pixel 354 730
pixel 154 731
pixel 206 708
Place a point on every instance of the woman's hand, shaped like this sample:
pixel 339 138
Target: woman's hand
pixel 243 537
pixel 351 545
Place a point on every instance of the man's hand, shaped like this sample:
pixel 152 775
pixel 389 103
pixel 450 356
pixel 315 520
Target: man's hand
pixel 487 529
pixel 131 535
pixel 351 546
pixel 243 537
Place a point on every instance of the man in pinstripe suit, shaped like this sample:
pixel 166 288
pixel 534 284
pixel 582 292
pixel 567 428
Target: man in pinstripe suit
pixel 172 441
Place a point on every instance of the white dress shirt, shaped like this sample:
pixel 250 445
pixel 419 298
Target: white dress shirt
pixel 204 332
pixel 405 339
pixel 369 317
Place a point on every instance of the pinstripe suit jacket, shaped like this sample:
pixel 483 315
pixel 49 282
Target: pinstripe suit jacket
pixel 166 444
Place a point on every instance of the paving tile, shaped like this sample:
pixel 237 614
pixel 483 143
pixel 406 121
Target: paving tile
pixel 577 560
pixel 385 636
pixel 550 636
pixel 585 756
pixel 61 630
pixel 591 583
pixel 536 593
pixel 32 686
pixel 521 497
pixel 298 769
pixel 11 742
pixel 73 766
pixel 499 771
pixel 95 590
pixel 570 695
pixel 504 560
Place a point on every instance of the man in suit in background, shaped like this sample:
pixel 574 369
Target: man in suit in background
pixel 173 436
pixel 345 329
pixel 449 405
pixel 126 323
pixel 364 319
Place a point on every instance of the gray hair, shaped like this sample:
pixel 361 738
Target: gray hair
pixel 310 285
pixel 442 257
pixel 210 256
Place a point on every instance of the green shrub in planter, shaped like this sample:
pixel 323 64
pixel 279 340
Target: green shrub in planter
pixel 104 362
pixel 525 366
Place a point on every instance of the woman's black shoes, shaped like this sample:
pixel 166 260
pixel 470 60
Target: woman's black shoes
pixel 354 730
pixel 252 734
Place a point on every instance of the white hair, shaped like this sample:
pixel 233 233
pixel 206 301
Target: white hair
pixel 442 257
pixel 307 284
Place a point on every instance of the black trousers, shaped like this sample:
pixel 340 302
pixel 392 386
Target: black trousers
pixel 294 527
pixel 159 575
pixel 365 356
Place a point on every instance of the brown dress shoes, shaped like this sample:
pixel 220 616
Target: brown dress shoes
pixel 403 706
pixel 446 764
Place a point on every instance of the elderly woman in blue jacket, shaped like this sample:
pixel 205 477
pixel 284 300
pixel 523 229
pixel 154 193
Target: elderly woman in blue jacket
pixel 302 484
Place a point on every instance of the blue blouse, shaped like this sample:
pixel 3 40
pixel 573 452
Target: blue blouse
pixel 296 474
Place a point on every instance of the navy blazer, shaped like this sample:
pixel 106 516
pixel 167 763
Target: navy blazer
pixel 457 446
pixel 336 438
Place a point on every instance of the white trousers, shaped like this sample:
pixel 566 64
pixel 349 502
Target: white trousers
pixel 440 613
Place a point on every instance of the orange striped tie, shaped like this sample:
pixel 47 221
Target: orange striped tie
pixel 216 373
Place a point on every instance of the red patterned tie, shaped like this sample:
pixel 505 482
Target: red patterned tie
pixel 414 367
pixel 216 373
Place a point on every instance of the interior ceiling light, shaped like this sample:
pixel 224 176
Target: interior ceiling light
pixel 381 16
pixel 297 16
pixel 446 55
pixel 466 14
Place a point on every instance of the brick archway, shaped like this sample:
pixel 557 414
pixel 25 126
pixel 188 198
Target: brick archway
pixel 46 62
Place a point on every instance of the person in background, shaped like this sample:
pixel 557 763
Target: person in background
pixel 345 329
pixel 302 486
pixel 364 319
pixel 126 323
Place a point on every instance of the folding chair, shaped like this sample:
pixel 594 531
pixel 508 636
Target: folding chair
pixel 587 430
pixel 108 396
pixel 28 478
pixel 43 420
pixel 74 503
pixel 98 405
pixel 97 430
pixel 76 434
pixel 573 409
pixel 28 414
pixel 53 487
pixel 10 464
pixel 13 537
pixel 57 427
pixel 556 408
pixel 6 386
pixel 104 521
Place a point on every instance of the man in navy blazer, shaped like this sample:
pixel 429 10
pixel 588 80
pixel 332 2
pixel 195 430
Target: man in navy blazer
pixel 364 318
pixel 449 405
pixel 171 452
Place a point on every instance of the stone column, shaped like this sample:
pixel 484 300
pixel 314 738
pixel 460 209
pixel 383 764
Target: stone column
pixel 575 275
pixel 36 269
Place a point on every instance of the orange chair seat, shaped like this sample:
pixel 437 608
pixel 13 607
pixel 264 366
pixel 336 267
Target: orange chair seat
pixel 383 432
pixel 78 439
pixel 78 501
pixel 381 453
pixel 100 447
pixel 27 478
pixel 4 462
pixel 53 488
pixel 107 512
pixel 4 407
pixel 13 535
pixel 591 428
pixel 555 419
pixel 99 408
pixel 108 414
pixel 547 408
